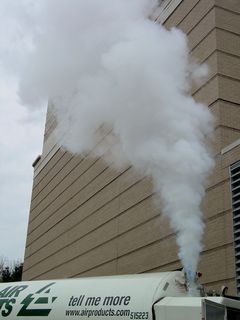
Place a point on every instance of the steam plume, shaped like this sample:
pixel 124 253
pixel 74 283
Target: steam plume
pixel 103 62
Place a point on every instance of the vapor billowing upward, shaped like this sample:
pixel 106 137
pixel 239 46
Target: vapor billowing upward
pixel 104 62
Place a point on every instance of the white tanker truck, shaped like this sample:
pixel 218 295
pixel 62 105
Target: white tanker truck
pixel 159 296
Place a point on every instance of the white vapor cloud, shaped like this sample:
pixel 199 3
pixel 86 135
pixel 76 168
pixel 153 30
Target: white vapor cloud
pixel 103 62
pixel 21 133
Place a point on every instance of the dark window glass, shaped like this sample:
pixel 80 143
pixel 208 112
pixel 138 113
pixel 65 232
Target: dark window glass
pixel 233 314
pixel 214 311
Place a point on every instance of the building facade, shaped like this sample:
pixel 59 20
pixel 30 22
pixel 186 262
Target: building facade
pixel 87 219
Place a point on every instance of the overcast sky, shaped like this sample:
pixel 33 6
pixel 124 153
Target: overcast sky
pixel 21 135
pixel 21 131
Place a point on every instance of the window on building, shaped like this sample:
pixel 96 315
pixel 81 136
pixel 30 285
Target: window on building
pixel 235 187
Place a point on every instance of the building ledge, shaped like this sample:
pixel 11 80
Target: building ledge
pixel 36 161
pixel 231 146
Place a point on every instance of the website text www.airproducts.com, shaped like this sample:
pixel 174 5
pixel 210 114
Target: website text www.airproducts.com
pixel 107 313
pixel 108 307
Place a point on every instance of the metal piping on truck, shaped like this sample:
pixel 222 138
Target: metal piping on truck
pixel 157 296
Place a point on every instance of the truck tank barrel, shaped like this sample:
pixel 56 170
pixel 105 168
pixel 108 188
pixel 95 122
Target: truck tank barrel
pixel 129 297
pixel 158 296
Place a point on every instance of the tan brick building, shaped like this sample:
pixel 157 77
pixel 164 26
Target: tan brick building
pixel 87 219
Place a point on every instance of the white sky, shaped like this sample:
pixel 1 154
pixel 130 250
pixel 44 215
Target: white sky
pixel 21 130
pixel 21 137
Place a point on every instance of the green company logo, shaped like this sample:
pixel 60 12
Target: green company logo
pixel 33 305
